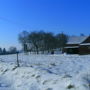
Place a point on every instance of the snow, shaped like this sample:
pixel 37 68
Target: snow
pixel 85 44
pixel 76 39
pixel 72 47
pixel 45 72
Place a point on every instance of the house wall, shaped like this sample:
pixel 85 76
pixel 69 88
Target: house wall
pixel 71 45
pixel 71 50
pixel 84 50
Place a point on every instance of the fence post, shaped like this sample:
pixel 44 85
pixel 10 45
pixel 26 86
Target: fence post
pixel 18 65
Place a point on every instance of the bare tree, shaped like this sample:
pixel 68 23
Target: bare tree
pixel 49 41
pixel 4 51
pixel 1 51
pixel 23 39
pixel 35 39
pixel 61 40
pixel 42 41
pixel 12 49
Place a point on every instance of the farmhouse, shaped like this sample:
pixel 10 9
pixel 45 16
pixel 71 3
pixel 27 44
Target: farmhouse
pixel 78 45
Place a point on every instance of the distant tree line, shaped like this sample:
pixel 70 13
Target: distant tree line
pixel 12 50
pixel 42 41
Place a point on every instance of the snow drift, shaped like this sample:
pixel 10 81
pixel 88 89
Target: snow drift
pixel 46 72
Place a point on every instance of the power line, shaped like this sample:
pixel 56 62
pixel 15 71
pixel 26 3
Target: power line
pixel 12 22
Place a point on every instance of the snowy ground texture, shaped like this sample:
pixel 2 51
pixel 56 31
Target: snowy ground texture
pixel 45 72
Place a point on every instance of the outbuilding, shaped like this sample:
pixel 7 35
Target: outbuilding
pixel 78 45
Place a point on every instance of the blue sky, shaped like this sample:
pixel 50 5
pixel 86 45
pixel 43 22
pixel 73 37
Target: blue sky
pixel 69 16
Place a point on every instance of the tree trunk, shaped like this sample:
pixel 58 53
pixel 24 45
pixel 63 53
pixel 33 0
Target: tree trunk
pixel 37 51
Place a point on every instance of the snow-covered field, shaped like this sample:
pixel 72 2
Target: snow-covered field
pixel 45 72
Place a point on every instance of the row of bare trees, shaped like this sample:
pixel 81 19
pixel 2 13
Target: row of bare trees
pixel 11 50
pixel 42 41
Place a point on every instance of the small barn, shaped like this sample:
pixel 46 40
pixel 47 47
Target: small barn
pixel 78 45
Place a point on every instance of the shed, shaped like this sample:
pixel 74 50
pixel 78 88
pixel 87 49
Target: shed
pixel 78 45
